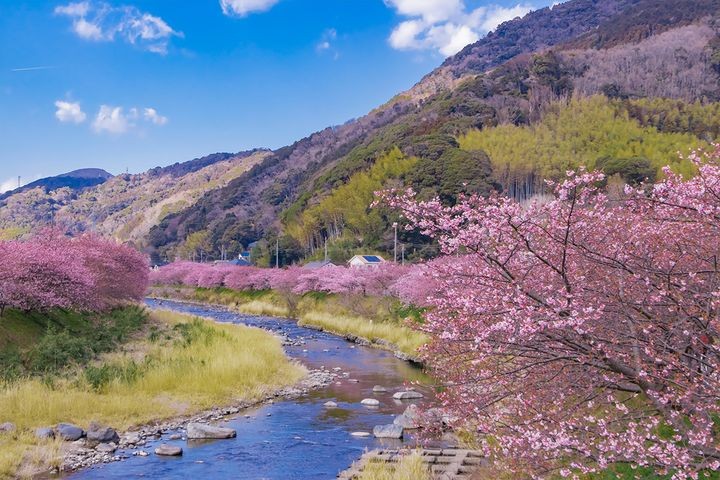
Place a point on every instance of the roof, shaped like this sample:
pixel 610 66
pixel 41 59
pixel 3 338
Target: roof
pixel 318 264
pixel 369 259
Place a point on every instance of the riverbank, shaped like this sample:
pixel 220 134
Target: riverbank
pixel 373 321
pixel 178 366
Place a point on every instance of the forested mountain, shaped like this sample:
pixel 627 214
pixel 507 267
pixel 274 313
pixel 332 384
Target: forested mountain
pixel 621 85
pixel 601 83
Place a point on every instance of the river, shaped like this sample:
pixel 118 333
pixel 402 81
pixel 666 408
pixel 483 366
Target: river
pixel 289 439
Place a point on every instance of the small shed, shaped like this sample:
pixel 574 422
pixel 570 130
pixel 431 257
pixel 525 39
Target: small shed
pixel 364 261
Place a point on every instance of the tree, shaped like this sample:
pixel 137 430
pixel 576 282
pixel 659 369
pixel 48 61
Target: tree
pixel 582 331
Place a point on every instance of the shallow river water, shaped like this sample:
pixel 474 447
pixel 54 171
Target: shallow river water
pixel 290 439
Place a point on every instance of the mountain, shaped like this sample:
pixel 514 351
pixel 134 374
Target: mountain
pixel 527 72
pixel 125 206
pixel 76 180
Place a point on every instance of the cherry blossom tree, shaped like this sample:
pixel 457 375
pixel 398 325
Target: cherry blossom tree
pixel 54 271
pixel 583 331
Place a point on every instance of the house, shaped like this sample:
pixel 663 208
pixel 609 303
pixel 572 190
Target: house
pixel 319 264
pixel 364 261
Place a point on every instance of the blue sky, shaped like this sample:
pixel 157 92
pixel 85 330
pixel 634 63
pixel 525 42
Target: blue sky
pixel 137 83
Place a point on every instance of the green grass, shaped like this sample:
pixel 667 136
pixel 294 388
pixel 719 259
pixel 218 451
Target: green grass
pixel 186 365
pixel 47 343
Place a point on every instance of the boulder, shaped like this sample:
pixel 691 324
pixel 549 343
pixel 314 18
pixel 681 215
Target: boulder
pixel 69 432
pixel 45 433
pixel 371 402
pixel 106 447
pixel 410 419
pixel 200 431
pixel 101 434
pixel 165 450
pixel 388 431
pixel 379 389
pixel 409 395
pixel 7 427
pixel 330 404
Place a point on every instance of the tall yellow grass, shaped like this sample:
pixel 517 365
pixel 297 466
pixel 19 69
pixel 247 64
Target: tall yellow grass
pixel 406 340
pixel 220 365
pixel 410 467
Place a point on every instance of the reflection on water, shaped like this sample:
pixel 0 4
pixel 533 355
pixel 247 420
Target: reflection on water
pixel 294 439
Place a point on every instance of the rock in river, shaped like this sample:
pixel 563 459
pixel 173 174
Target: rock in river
pixel 330 404
pixel 69 432
pixel 106 447
pixel 98 433
pixel 409 395
pixel 165 450
pixel 379 389
pixel 388 431
pixel 410 419
pixel 198 431
pixel 370 402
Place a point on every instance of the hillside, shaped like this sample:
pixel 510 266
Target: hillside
pixel 528 68
pixel 126 206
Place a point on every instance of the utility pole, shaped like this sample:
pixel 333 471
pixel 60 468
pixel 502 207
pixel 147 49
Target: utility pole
pixel 277 253
pixel 19 181
pixel 326 252
pixel 395 243
pixel 403 254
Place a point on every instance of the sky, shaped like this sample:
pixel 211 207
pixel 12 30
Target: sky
pixel 134 84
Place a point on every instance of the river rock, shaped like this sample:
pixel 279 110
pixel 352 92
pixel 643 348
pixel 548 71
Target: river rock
pixel 379 389
pixel 106 447
pixel 7 427
pixel 409 395
pixel 410 419
pixel 165 450
pixel 101 434
pixel 69 432
pixel 45 433
pixel 360 434
pixel 199 431
pixel 330 404
pixel 371 402
pixel 388 431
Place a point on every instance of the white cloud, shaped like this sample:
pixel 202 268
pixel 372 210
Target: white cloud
pixel 114 120
pixel 111 120
pixel 69 112
pixel 446 25
pixel 151 115
pixel 327 43
pixel 99 21
pixel 242 8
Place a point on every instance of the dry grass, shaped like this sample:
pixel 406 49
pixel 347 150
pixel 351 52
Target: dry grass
pixel 210 364
pixel 261 307
pixel 406 340
pixel 411 467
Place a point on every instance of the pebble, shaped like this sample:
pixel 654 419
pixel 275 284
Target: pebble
pixel 379 388
pixel 371 402
pixel 330 404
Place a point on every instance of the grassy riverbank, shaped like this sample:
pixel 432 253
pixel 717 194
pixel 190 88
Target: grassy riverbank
pixel 410 467
pixel 381 321
pixel 176 366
